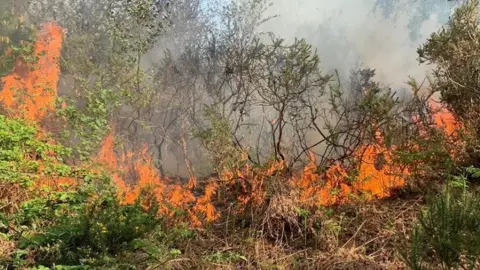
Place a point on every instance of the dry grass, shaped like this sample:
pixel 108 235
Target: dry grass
pixel 351 237
pixel 7 248
pixel 11 195
pixel 282 221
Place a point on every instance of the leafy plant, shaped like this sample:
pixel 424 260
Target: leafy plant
pixel 225 257
pixel 217 139
pixel 78 227
pixel 447 232
pixel 24 159
pixel 16 39
pixel 89 125
pixel 79 223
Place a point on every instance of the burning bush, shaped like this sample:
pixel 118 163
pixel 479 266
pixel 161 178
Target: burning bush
pixel 454 53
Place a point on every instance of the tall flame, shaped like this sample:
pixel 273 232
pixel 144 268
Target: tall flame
pixel 30 91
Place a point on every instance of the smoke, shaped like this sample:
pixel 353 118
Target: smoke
pixel 379 34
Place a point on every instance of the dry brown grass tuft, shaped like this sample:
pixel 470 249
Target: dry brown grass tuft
pixel 7 248
pixel 281 220
pixel 347 259
pixel 11 196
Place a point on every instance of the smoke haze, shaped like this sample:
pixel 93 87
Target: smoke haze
pixel 379 34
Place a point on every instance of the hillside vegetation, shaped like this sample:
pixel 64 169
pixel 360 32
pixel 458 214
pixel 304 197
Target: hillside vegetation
pixel 234 150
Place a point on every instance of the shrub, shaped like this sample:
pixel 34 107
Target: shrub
pixel 83 226
pixel 447 233
pixel 61 214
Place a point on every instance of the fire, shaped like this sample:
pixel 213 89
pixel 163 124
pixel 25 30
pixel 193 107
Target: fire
pixel 30 91
pixel 169 196
pixel 107 156
pixel 444 119
pixel 376 174
pixel 322 189
pixel 333 187
pixel 147 176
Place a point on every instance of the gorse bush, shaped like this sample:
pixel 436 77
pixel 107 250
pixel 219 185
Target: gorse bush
pixel 454 52
pixel 87 126
pixel 24 158
pixel 447 233
pixel 79 227
pixel 77 221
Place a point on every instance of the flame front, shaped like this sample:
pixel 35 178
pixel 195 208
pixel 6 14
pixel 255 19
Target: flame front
pixel 376 176
pixel 30 92
pixel 169 196
pixel 333 186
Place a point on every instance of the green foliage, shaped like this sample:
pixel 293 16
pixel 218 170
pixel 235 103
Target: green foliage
pixel 16 39
pixel 165 244
pixel 448 231
pixel 292 70
pixel 81 225
pixel 22 153
pixel 290 89
pixel 360 112
pixel 217 139
pixel 455 52
pixel 85 226
pixel 429 158
pixel 88 125
pixel 101 62
pixel 225 257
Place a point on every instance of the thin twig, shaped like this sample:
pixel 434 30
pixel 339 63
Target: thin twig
pixel 358 230
pixel 408 208
pixel 291 255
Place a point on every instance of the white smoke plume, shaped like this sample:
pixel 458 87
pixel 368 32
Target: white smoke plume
pixel 378 34
pixel 348 34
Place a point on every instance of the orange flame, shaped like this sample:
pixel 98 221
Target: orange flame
pixel 444 119
pixel 333 187
pixel 170 197
pixel 30 91
pixel 376 180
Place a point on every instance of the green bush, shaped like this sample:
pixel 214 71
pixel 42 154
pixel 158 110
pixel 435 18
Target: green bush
pixel 16 39
pixel 447 232
pixel 84 224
